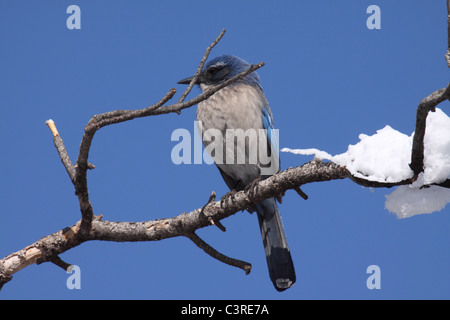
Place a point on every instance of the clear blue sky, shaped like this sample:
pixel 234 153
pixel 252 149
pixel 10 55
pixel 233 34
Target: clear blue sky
pixel 327 77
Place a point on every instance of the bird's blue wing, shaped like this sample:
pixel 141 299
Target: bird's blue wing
pixel 267 122
pixel 272 133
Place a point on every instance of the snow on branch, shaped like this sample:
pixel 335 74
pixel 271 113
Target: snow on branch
pixel 418 163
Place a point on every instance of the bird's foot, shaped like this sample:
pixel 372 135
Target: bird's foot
pixel 252 187
pixel 230 194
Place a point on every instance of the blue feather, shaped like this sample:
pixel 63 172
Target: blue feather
pixel 270 129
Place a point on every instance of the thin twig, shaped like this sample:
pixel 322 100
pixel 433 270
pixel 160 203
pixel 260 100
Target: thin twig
pixel 301 193
pixel 247 267
pixel 213 222
pixel 200 67
pixel 60 263
pixel 117 116
pixel 63 155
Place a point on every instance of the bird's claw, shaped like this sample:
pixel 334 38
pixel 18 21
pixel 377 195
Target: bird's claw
pixel 230 194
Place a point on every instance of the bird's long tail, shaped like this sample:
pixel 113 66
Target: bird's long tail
pixel 279 261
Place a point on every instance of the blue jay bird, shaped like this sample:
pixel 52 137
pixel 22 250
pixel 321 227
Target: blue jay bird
pixel 242 105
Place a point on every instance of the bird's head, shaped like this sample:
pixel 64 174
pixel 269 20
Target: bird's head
pixel 221 69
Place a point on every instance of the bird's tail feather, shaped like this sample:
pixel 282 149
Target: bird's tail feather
pixel 279 260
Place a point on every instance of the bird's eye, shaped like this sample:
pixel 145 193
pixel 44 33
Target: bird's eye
pixel 212 71
pixel 215 74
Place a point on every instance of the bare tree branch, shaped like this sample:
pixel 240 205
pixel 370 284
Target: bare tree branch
pixel 426 105
pixel 92 227
pixel 185 224
pixel 217 255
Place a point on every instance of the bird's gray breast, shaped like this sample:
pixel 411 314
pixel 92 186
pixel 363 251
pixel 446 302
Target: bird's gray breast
pixel 230 112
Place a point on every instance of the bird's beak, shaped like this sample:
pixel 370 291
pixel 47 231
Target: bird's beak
pixel 186 80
